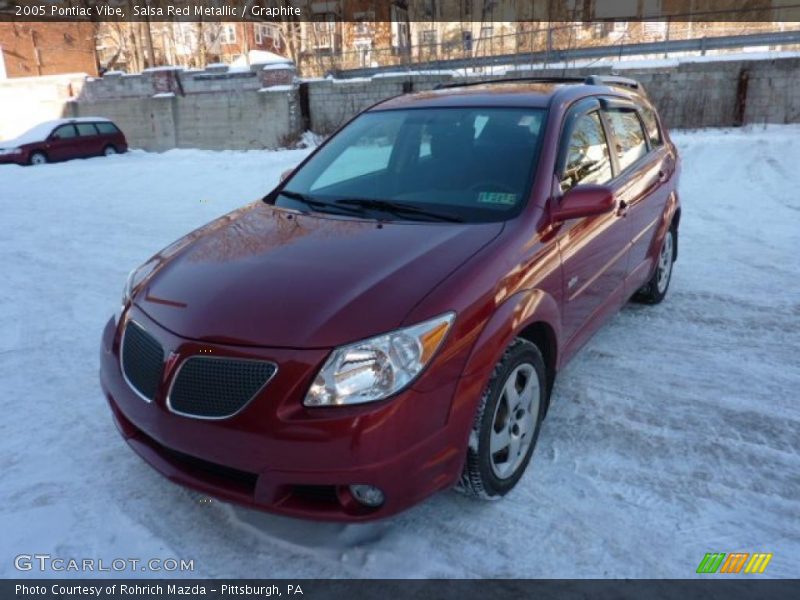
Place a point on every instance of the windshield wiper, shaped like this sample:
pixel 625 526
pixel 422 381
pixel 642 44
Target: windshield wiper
pixel 314 204
pixel 399 208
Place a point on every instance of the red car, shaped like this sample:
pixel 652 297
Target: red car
pixel 63 139
pixel 388 322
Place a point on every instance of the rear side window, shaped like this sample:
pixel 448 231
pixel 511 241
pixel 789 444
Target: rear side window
pixel 587 154
pixel 106 128
pixel 86 129
pixel 629 136
pixel 65 132
pixel 651 126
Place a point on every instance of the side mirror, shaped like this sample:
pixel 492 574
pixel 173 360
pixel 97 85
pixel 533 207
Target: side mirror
pixel 286 173
pixel 583 201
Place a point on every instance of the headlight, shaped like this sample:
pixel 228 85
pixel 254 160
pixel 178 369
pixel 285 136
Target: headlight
pixel 6 151
pixel 376 368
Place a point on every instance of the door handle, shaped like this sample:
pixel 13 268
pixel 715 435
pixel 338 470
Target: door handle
pixel 622 209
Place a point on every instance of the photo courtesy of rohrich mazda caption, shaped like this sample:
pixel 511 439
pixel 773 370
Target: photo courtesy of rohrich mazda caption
pixel 389 321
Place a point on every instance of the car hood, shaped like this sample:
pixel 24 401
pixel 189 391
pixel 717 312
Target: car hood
pixel 266 276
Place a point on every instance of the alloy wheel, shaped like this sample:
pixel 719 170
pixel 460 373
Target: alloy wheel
pixel 665 263
pixel 514 420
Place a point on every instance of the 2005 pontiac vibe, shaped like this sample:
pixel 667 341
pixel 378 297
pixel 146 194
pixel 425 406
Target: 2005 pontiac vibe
pixel 388 322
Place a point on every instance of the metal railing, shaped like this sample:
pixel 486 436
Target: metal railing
pixel 544 47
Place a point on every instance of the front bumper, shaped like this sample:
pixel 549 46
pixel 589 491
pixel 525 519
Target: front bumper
pixel 279 456
pixel 14 159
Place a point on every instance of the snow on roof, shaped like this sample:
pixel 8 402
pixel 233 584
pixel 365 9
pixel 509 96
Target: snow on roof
pixel 164 68
pixel 277 88
pixel 38 133
pixel 262 57
pixel 276 66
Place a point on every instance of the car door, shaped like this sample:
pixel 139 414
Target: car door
pixel 593 249
pixel 90 142
pixel 646 208
pixel 62 143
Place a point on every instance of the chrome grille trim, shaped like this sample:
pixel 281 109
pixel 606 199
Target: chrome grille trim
pixel 122 358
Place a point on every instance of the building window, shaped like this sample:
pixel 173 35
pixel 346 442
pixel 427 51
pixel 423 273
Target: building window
pixel 466 41
pixel 427 37
pixel 401 39
pixel 267 34
pixel 655 28
pixel 487 32
pixel 363 23
pixel 324 31
pixel 228 34
pixel 601 29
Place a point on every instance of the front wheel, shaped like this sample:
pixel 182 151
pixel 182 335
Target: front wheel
pixel 109 151
pixel 38 158
pixel 507 423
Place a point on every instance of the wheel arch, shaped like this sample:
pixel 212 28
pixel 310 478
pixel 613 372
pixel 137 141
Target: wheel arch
pixel 542 334
pixel 674 224
pixel 530 314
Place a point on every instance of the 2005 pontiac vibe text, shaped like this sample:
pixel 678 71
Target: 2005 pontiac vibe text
pixel 389 320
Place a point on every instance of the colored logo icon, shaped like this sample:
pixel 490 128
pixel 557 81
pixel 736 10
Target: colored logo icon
pixel 734 563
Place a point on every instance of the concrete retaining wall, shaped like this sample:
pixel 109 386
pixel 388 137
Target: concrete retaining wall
pixel 235 120
pixel 261 108
pixel 689 94
pixel 168 107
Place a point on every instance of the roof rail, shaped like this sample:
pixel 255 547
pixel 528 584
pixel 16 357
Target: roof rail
pixel 614 80
pixel 441 86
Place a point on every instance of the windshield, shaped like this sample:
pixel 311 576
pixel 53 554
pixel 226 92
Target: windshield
pixel 37 133
pixel 457 164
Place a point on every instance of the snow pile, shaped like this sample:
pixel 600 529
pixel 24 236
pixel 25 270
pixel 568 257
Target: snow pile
pixel 675 432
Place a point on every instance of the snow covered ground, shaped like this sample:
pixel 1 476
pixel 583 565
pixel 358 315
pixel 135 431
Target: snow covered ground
pixel 675 432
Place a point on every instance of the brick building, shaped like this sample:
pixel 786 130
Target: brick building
pixel 125 46
pixel 32 49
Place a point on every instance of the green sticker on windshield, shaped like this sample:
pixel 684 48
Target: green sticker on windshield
pixel 497 198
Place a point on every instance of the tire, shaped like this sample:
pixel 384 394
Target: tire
pixel 37 158
pixel 654 291
pixel 109 150
pixel 489 475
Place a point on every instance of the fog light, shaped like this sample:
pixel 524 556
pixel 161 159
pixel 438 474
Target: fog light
pixel 368 495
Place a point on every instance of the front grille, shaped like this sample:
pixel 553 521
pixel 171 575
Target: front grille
pixel 214 388
pixel 142 360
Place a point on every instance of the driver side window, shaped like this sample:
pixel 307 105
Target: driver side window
pixel 588 159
